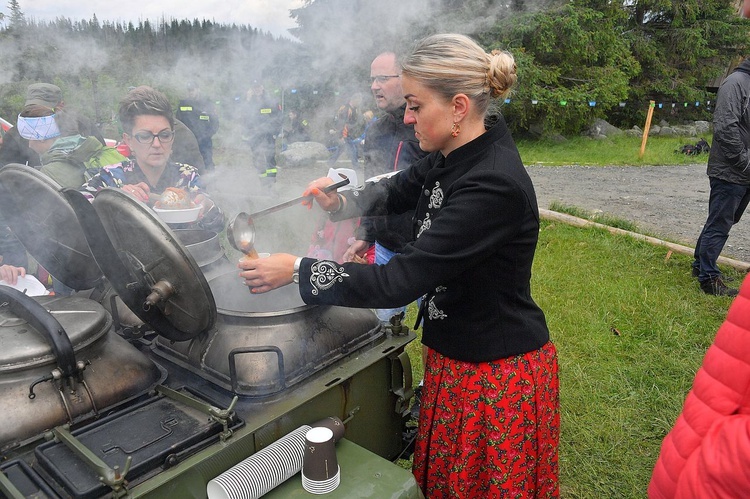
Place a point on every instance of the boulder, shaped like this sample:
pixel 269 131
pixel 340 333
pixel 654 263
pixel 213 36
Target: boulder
pixel 702 127
pixel 298 154
pixel 601 127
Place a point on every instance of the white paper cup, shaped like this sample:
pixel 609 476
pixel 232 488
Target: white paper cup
pixel 266 469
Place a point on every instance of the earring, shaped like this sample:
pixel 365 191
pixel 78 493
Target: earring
pixel 455 130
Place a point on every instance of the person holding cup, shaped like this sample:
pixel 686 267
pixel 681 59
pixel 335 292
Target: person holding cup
pixel 489 423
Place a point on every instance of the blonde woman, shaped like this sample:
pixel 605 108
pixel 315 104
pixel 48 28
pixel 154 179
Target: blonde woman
pixel 489 423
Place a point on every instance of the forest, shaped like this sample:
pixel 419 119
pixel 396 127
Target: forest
pixel 577 59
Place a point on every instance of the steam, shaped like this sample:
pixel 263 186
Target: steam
pixel 316 67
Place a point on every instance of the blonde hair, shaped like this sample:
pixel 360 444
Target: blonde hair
pixel 453 64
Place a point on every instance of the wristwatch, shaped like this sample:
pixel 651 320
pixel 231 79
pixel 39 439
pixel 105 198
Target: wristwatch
pixel 295 272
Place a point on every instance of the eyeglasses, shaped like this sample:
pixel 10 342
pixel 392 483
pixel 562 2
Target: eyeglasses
pixel 165 137
pixel 382 78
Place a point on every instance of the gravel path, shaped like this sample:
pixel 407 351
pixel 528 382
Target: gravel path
pixel 667 201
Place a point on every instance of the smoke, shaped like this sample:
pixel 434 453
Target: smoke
pixel 315 69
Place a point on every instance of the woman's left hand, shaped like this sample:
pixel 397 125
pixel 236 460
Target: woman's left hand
pixel 265 274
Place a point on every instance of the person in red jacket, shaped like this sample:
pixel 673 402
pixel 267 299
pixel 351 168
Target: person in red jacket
pixel 707 453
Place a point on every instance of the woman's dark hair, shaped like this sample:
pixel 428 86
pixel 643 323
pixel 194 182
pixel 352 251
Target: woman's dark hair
pixel 144 100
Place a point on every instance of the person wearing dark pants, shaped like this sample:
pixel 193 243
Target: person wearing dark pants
pixel 726 204
pixel 729 177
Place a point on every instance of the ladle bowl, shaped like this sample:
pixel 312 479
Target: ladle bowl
pixel 241 228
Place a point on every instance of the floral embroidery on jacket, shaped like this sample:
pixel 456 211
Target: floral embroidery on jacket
pixel 325 274
pixel 436 199
pixel 434 312
pixel 426 223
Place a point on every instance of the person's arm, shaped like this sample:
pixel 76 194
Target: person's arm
pixel 728 117
pixel 10 274
pixel 106 177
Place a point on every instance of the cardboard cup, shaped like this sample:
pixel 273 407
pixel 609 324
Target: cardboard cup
pixel 334 424
pixel 319 463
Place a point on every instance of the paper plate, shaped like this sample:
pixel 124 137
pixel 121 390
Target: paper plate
pixel 29 285
pixel 182 216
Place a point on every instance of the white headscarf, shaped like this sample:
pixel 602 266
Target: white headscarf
pixel 41 128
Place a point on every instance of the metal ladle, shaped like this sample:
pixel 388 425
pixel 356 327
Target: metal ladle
pixel 241 229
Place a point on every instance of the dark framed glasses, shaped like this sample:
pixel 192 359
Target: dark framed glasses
pixel 165 136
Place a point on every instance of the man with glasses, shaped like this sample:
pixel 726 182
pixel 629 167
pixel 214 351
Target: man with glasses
pixel 148 130
pixel 390 146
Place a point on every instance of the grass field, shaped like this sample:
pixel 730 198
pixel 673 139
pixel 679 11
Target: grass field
pixel 618 151
pixel 631 327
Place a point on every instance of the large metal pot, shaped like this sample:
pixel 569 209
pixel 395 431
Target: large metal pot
pixel 52 377
pixel 266 343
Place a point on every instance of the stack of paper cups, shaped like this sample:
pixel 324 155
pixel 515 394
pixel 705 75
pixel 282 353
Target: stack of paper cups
pixel 266 469
pixel 320 468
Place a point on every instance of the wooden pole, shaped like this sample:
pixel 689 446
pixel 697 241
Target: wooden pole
pixel 677 248
pixel 647 127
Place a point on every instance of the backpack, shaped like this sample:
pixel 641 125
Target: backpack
pixel 695 149
pixel 689 149
pixel 703 146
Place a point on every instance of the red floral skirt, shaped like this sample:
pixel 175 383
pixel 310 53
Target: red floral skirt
pixel 490 429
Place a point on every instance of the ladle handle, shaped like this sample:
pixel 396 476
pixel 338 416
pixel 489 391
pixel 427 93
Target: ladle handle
pixel 296 201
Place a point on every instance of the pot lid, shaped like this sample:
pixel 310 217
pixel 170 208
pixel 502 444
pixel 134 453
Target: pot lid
pixel 84 322
pixel 154 274
pixel 46 225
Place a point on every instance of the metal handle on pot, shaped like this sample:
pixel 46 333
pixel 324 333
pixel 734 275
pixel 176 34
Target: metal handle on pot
pixel 28 309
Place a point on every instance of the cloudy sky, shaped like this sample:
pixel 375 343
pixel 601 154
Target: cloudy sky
pixel 267 15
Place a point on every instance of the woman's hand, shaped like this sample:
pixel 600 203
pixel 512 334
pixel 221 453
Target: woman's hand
pixel 265 274
pixel 140 191
pixel 355 252
pixel 329 202
pixel 10 274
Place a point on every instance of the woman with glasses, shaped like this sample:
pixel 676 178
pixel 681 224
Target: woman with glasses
pixel 489 424
pixel 148 130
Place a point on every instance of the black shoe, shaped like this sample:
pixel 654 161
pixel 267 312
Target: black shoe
pixel 416 404
pixel 696 271
pixel 715 286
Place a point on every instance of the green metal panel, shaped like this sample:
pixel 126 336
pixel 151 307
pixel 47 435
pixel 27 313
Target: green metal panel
pixel 363 475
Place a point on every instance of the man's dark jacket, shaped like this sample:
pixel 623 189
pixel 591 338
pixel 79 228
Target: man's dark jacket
pixel 729 158
pixel 390 145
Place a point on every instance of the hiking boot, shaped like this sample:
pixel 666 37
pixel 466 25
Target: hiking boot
pixel 696 272
pixel 715 286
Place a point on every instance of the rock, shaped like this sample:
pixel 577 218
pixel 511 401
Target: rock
pixel 702 127
pixel 557 138
pixel 299 154
pixel 685 130
pixel 601 127
pixel 668 131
